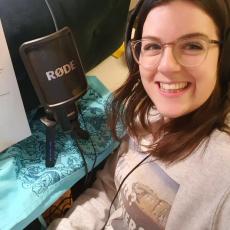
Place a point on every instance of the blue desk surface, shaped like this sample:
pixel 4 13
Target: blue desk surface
pixel 27 187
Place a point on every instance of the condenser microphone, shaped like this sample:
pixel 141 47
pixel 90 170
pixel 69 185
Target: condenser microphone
pixel 55 70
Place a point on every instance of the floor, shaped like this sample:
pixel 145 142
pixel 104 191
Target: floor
pixel 112 72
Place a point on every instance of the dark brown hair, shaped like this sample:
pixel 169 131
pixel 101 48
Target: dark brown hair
pixel 183 134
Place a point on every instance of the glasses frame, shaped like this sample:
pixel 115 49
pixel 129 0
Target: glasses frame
pixel 133 43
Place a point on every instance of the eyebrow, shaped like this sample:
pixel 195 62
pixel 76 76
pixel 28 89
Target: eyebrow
pixel 191 35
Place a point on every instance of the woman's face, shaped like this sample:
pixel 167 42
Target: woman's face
pixel 174 89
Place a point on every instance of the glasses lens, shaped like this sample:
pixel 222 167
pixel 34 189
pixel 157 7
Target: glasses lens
pixel 188 52
pixel 147 52
pixel 191 52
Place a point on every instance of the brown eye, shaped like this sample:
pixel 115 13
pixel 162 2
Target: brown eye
pixel 192 46
pixel 151 46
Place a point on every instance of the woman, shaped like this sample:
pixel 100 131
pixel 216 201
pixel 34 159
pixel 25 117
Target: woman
pixel 172 170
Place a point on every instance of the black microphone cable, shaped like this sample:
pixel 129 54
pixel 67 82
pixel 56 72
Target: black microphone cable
pixel 75 137
pixel 52 15
pixel 119 188
pixel 94 149
pixel 73 134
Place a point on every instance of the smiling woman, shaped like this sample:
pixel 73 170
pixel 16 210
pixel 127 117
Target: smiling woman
pixel 183 75
pixel 172 170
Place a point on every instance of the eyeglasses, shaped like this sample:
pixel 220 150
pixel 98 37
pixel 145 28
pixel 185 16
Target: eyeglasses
pixel 188 52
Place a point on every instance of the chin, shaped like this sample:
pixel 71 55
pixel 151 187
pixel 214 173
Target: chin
pixel 172 114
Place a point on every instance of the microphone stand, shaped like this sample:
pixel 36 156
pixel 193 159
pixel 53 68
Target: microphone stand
pixel 69 123
pixel 50 157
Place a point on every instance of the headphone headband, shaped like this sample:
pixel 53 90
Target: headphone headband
pixel 131 21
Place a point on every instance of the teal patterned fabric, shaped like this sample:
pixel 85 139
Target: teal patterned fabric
pixel 27 187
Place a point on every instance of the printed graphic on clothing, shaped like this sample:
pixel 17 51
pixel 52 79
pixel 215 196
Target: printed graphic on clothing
pixel 145 200
pixel 143 209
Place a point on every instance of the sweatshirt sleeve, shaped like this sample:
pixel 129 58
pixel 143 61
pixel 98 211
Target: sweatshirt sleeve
pixel 90 209
pixel 222 220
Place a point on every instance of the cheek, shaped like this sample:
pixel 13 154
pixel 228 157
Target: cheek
pixel 148 82
pixel 146 76
pixel 206 75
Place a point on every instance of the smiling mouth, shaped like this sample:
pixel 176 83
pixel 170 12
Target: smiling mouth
pixel 173 87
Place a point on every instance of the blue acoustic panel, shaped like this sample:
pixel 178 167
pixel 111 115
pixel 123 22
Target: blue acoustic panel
pixel 27 187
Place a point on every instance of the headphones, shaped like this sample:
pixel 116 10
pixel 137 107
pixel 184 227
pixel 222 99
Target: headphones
pixel 225 49
pixel 128 34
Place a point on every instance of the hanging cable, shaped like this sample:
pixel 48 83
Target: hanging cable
pixel 93 145
pixel 52 14
pixel 119 188
pixel 75 137
pixel 74 134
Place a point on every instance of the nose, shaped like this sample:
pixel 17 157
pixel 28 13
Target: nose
pixel 168 62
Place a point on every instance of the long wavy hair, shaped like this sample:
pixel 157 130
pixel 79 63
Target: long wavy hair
pixel 182 135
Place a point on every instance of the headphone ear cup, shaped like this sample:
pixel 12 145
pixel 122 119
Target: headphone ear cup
pixel 128 55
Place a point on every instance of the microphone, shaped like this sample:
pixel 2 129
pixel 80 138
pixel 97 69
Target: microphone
pixel 56 72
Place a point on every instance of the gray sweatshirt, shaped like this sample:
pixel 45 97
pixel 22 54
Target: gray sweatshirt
pixel 193 194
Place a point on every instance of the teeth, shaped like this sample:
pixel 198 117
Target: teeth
pixel 173 86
